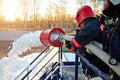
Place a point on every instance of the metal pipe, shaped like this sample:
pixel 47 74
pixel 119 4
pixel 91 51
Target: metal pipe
pixel 65 37
pixel 31 62
pixel 103 56
pixel 92 67
pixel 44 66
pixel 60 60
pixel 76 66
pixel 37 63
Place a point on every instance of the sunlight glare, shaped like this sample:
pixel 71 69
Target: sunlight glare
pixel 11 9
pixel 43 7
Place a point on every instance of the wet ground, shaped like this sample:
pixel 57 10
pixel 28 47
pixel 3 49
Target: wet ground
pixel 5 47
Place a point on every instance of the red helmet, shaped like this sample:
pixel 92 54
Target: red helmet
pixel 83 13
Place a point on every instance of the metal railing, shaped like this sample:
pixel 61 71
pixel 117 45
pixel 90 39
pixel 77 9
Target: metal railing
pixel 26 71
pixel 56 67
pixel 89 65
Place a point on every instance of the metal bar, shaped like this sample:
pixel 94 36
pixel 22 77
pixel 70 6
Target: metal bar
pixel 32 62
pixel 60 53
pixel 65 37
pixel 54 66
pixel 76 67
pixel 43 66
pixel 27 72
pixel 53 74
pixel 49 71
pixel 37 63
pixel 93 68
pixel 103 56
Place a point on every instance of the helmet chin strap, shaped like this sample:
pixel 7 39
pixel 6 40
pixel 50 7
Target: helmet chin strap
pixel 81 25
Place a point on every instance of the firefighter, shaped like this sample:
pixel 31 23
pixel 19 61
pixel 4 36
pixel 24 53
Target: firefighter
pixel 111 15
pixel 89 30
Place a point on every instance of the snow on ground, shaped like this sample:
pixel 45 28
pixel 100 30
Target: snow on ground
pixel 12 65
pixel 70 56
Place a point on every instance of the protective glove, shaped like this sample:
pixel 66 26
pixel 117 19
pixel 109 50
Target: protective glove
pixel 70 45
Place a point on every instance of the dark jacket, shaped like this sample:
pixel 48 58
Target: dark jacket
pixel 90 32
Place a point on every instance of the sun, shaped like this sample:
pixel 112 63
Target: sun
pixel 10 9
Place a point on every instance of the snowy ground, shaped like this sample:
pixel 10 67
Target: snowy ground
pixel 11 66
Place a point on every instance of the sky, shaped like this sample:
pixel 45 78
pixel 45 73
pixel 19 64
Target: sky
pixel 12 8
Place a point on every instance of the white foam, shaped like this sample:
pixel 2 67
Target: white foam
pixel 25 42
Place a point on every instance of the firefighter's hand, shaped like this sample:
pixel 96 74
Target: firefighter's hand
pixel 70 45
